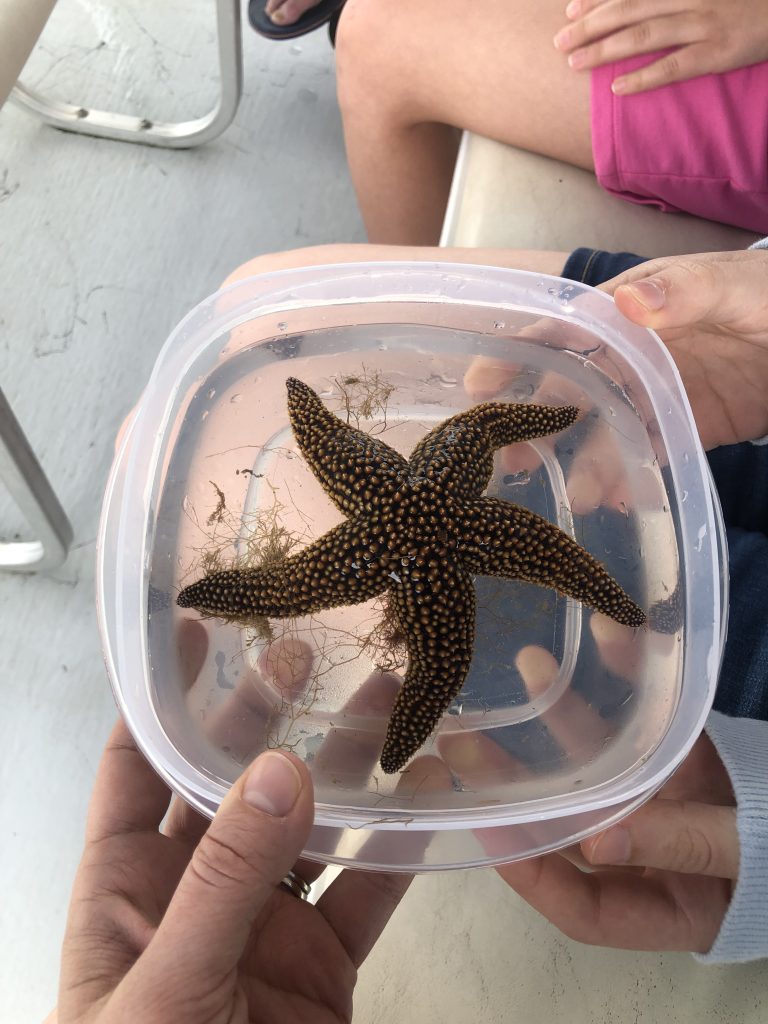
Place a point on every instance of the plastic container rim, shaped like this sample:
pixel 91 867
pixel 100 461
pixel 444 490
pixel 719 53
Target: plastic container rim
pixel 272 298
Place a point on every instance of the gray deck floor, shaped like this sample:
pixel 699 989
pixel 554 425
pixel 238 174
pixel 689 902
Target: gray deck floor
pixel 103 248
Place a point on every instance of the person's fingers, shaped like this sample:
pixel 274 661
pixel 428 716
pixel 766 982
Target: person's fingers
pixel 597 474
pixel 477 760
pixel 618 909
pixel 185 823
pixel 283 670
pixel 628 657
pixel 347 756
pixel 589 21
pixel 287 664
pixel 239 723
pixel 722 288
pixel 677 66
pixel 308 870
pixel 358 905
pixel 191 650
pixel 672 835
pixel 486 377
pixel 576 727
pixel 427 782
pixel 250 845
pixel 474 757
pixel 348 752
pixel 623 650
pixel 649 37
pixel 128 795
pixel 701 776
pixel 237 726
pixel 555 389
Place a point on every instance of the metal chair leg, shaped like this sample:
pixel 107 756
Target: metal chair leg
pixel 29 487
pixel 174 135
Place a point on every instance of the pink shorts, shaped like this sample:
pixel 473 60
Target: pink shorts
pixel 699 146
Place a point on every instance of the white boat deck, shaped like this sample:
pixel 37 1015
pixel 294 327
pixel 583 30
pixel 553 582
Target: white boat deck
pixel 104 246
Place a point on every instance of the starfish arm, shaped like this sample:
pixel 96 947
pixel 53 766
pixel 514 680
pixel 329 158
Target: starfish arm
pixel 341 567
pixel 666 616
pixel 458 453
pixel 356 471
pixel 502 539
pixel 438 620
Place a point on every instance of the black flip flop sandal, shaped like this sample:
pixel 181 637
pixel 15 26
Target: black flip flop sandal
pixel 326 11
pixel 333 24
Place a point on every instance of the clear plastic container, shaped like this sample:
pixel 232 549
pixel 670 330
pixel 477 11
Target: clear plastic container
pixel 565 722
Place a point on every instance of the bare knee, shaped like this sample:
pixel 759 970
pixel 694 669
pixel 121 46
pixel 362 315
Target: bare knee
pixel 360 30
pixel 309 256
pixel 368 75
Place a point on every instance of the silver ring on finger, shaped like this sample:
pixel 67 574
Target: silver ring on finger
pixel 296 885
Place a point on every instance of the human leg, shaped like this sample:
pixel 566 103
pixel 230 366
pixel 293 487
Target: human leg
pixel 288 19
pixel 408 83
pixel 322 255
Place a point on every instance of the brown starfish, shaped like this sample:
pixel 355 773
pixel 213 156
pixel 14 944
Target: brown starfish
pixel 419 529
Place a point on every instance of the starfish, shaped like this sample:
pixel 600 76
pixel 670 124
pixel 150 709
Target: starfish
pixel 418 529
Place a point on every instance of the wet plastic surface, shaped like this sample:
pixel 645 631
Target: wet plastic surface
pixel 566 721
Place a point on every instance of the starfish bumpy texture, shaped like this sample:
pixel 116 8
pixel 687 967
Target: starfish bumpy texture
pixel 419 529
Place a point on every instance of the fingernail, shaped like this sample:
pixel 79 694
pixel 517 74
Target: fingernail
pixel 464 756
pixel 562 39
pixel 577 59
pixel 288 663
pixel 585 492
pixel 648 293
pixel 277 17
pixel 273 784
pixel 618 86
pixel 573 9
pixel 612 847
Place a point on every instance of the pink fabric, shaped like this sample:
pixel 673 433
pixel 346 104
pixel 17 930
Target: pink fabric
pixel 699 146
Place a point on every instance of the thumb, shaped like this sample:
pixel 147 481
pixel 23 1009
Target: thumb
pixel 251 844
pixel 720 289
pixel 672 835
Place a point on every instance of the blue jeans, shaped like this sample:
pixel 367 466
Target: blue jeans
pixel 741 477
